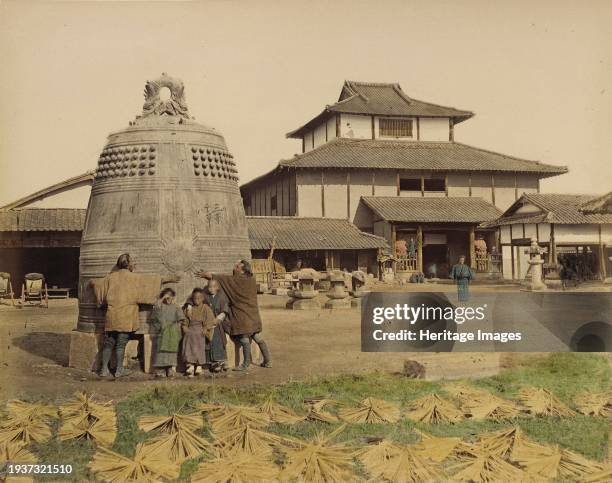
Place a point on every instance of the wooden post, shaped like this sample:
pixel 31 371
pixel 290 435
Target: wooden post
pixel 323 193
pixel 304 143
pixel 446 185
pixel 373 128
pixel 552 246
pixel 515 187
pixel 470 184
pixel 472 249
pixel 397 181
pixel 419 248
pixel 422 185
pixel 602 259
pixel 493 189
pixel 337 125
pixel 538 185
pixel 393 240
pixel 373 183
pixel 348 195
pixel 418 122
pixel 451 129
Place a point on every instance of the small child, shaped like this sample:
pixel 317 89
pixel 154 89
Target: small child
pixel 166 318
pixel 199 317
pixel 216 340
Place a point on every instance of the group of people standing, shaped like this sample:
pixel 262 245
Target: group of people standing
pixel 196 333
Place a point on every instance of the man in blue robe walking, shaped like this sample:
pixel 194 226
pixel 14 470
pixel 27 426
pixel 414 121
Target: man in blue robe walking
pixel 462 274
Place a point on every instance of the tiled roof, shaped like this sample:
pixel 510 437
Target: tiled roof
pixel 383 99
pixel 414 155
pixel 42 219
pixel 602 205
pixel 556 208
pixel 296 233
pixel 432 210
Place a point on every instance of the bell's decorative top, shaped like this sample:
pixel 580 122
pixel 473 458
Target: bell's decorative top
pixel 155 105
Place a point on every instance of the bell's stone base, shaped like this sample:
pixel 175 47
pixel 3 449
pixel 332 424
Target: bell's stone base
pixel 86 351
pixel 303 304
pixel 338 304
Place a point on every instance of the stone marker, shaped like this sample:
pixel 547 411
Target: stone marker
pixel 358 281
pixel 165 191
pixel 535 261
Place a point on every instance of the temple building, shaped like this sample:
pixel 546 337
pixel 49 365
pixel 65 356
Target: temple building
pixel 390 165
pixel 575 231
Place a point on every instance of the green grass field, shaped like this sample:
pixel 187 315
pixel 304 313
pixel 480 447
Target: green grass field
pixel 566 374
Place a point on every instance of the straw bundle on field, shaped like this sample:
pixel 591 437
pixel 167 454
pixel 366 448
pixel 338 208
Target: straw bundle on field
pixel 435 448
pixel 603 476
pixel 233 416
pixel 15 452
pixel 319 460
pixel 178 446
pixel 541 401
pixel 83 404
pixel 280 414
pixel 484 468
pixel 372 411
pixel 102 431
pixel 509 443
pixel 557 463
pixel 406 466
pixel 26 422
pixel 377 452
pixel 433 409
pixel 465 392
pixel 236 468
pixel 490 407
pixel 171 423
pixel 112 467
pixel 316 409
pixel 249 440
pixel 595 404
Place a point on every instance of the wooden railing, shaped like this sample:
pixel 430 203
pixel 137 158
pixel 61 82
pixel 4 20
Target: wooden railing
pixel 406 264
pixel 489 263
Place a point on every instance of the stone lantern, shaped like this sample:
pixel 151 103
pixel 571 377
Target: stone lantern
pixel 358 281
pixel 303 297
pixel 337 293
pixel 535 261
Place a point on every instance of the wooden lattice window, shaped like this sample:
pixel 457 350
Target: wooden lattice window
pixel 395 128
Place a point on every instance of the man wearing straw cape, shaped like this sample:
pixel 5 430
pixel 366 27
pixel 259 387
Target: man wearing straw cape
pixel 121 291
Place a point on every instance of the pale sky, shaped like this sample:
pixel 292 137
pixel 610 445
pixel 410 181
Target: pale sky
pixel 538 75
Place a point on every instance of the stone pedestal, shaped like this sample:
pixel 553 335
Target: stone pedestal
pixel 536 262
pixel 85 350
pixel 303 304
pixel 338 304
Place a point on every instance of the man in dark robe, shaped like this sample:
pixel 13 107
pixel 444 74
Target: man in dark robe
pixel 240 289
pixel 215 345
pixel 462 274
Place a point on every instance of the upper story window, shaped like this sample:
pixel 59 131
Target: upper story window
pixel 422 184
pixel 395 128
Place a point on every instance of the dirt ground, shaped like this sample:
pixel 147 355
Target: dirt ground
pixel 304 344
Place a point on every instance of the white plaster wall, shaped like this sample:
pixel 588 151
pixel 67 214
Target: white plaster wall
pixel 361 185
pixel 308 141
pixel 319 134
pixel 481 186
pixel 385 183
pixel 507 261
pixel 505 234
pixel 433 129
pixel 361 126
pixel 458 185
pixel 526 183
pixel 335 194
pixel 576 234
pixel 544 231
pixel 522 262
pixel 504 190
pixel 331 128
pixel 606 234
pixel 309 194
pixel 530 230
